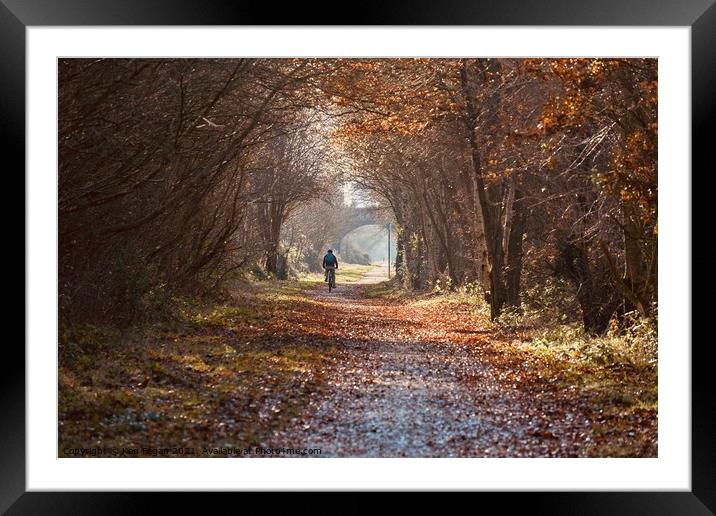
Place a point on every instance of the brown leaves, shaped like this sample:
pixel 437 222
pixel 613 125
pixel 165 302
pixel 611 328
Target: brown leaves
pixel 226 380
pixel 356 376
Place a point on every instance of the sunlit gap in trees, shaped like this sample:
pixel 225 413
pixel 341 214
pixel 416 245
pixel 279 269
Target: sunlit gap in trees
pixel 369 243
pixel 365 237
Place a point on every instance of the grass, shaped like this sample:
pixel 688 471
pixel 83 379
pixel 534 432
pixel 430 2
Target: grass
pixel 350 273
pixel 222 375
pixel 618 371
pixel 347 273
pixel 615 375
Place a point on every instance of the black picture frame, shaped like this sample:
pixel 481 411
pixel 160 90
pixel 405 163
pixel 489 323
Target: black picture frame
pixel 17 15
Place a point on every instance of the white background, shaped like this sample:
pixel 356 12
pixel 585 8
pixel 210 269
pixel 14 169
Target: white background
pixel 672 468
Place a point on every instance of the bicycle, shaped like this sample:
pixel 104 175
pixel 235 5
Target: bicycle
pixel 331 278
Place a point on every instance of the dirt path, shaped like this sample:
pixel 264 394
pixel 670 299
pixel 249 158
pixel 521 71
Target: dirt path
pixel 375 275
pixel 405 384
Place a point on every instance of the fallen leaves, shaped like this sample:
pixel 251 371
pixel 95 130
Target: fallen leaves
pixel 355 375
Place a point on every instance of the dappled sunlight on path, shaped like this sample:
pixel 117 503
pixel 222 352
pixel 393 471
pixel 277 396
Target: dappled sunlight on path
pixel 411 382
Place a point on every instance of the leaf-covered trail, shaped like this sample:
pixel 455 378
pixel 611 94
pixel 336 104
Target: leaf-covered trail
pixel 409 380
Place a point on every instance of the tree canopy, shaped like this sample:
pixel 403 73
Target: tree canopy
pixel 515 177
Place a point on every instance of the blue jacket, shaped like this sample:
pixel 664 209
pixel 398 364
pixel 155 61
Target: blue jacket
pixel 330 259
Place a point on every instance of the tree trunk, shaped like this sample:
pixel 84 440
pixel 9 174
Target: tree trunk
pixel 489 217
pixel 594 293
pixel 282 266
pixel 633 298
pixel 400 253
pixel 275 216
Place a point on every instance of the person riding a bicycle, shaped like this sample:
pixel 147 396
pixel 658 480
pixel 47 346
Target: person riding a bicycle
pixel 330 262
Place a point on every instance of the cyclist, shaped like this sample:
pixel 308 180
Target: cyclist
pixel 329 262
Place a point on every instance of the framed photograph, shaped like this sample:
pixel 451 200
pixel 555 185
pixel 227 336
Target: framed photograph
pixel 431 247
